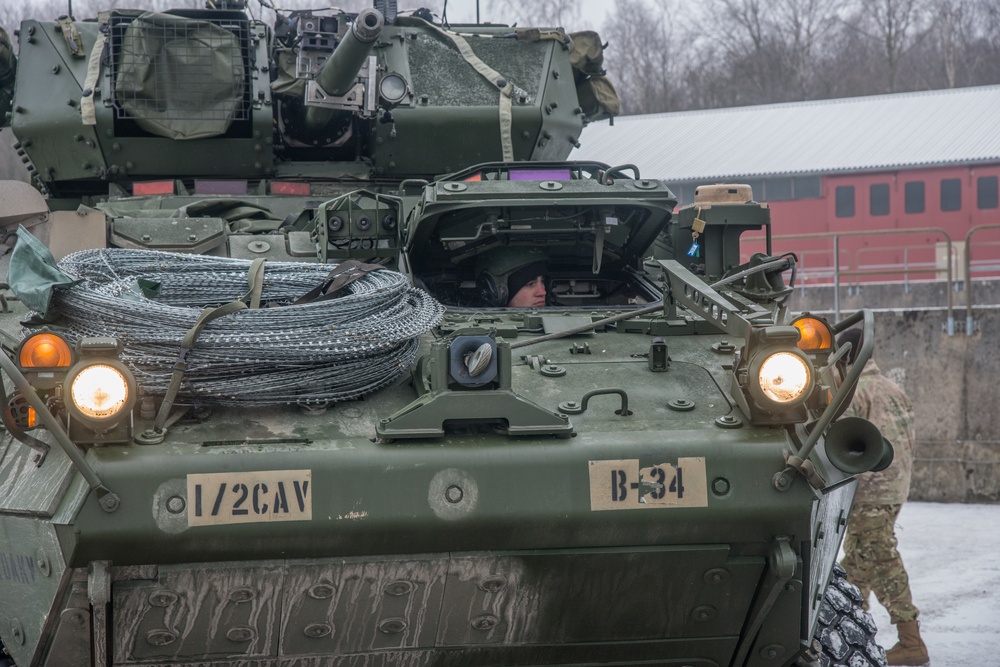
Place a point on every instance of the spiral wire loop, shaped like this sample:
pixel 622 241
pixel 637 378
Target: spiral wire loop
pixel 306 354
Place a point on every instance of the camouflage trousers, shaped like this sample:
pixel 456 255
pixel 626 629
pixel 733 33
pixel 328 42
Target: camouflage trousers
pixel 872 562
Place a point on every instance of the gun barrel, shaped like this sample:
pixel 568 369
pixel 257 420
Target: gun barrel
pixel 339 73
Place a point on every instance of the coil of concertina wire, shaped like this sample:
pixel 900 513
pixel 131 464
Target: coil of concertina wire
pixel 308 354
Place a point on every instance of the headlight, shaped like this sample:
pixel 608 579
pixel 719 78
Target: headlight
pixel 100 392
pixel 393 88
pixel 783 377
pixel 780 379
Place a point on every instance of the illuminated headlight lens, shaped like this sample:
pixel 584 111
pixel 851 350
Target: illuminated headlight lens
pixel 784 378
pixel 100 392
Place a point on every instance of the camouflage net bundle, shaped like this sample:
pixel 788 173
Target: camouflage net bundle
pixel 311 353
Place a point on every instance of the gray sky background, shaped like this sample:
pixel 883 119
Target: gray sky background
pixel 592 12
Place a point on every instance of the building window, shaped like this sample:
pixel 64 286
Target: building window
pixel 951 194
pixel 878 199
pixel 806 187
pixel 986 192
pixel 914 196
pixel 845 201
pixel 777 189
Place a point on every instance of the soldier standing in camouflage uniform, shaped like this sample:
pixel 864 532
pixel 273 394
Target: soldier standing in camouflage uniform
pixel 871 559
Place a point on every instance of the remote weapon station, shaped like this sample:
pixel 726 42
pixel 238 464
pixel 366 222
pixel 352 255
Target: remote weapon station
pixel 317 352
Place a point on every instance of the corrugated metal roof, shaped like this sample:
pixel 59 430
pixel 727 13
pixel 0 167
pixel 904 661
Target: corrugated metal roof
pixel 907 130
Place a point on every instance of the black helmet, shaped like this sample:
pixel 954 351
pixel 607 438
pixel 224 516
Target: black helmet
pixel 501 272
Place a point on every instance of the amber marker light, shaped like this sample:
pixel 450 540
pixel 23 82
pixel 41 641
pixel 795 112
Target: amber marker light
pixel 45 350
pixel 815 334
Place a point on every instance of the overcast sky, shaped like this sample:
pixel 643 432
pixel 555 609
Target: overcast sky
pixel 592 12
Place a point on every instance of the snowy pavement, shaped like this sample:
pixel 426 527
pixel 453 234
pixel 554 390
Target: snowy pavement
pixel 952 554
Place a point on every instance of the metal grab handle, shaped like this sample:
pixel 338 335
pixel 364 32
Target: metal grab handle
pixel 617 171
pixel 574 408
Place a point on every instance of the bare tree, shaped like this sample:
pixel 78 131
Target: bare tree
pixel 945 57
pixel 546 13
pixel 984 52
pixel 804 26
pixel 954 24
pixel 845 67
pixel 644 57
pixel 15 11
pixel 895 25
pixel 741 32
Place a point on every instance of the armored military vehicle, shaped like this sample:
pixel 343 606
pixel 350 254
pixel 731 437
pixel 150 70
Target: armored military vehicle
pixel 280 401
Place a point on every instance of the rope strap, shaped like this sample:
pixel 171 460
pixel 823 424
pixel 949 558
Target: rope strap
pixel 87 110
pixel 255 279
pixel 343 275
pixel 207 315
pixel 494 77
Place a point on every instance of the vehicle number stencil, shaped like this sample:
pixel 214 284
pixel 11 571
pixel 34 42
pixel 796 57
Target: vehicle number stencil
pixel 623 485
pixel 249 497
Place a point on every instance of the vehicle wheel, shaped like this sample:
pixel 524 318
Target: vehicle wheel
pixel 845 633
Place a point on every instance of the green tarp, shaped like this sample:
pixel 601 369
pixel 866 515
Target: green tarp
pixel 33 275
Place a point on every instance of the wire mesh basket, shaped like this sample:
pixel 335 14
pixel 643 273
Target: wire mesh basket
pixel 181 76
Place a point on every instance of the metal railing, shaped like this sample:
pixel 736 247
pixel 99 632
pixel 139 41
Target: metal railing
pixel 969 324
pixel 839 272
pixel 908 267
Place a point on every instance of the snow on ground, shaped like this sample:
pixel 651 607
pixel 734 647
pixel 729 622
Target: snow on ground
pixel 952 554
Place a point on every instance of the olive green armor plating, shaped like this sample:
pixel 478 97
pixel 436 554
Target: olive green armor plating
pixel 617 477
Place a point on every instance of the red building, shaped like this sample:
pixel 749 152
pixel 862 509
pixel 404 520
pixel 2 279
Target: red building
pixel 894 182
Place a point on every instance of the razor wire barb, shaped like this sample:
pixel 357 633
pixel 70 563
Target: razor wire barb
pixel 305 354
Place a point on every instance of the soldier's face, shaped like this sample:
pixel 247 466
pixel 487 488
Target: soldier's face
pixel 531 295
